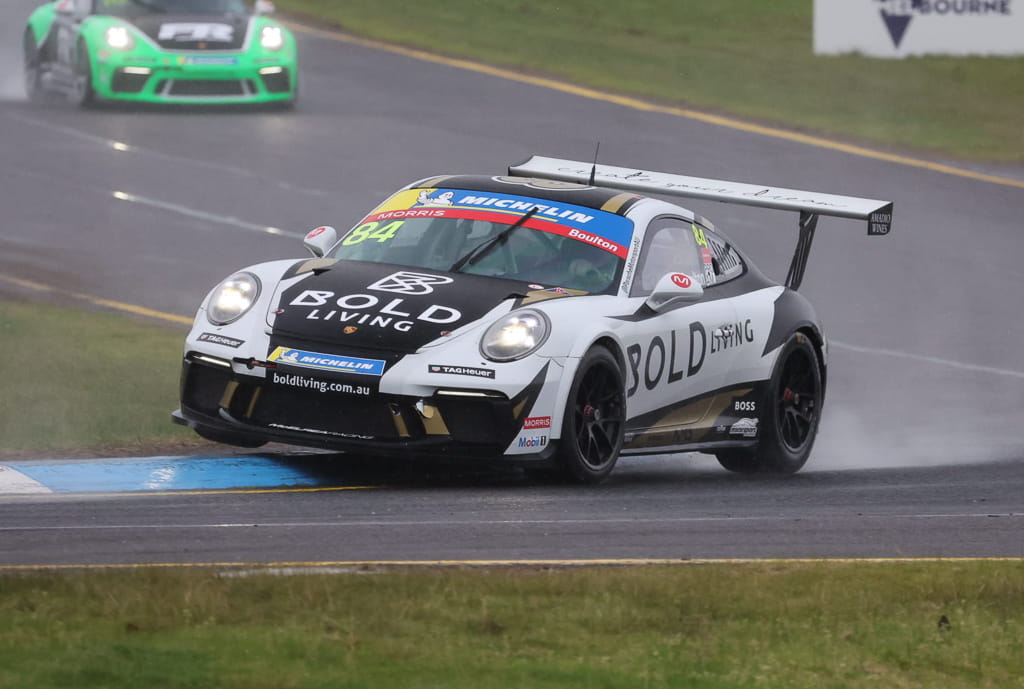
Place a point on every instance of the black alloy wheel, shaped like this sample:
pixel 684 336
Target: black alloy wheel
pixel 594 419
pixel 790 415
pixel 797 403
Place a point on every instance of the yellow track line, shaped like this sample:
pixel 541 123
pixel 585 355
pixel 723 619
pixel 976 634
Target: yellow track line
pixel 646 106
pixel 179 493
pixel 99 301
pixel 597 562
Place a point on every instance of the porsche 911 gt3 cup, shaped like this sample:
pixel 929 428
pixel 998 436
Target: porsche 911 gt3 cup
pixel 557 316
pixel 160 51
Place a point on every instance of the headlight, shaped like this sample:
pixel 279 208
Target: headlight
pixel 119 38
pixel 271 37
pixel 516 335
pixel 233 298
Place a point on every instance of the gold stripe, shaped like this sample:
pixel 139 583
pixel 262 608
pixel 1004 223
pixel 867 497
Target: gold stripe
pixel 682 419
pixel 252 403
pixel 229 393
pixel 433 424
pixel 644 106
pixel 435 181
pixel 615 203
pixel 403 430
pixel 315 264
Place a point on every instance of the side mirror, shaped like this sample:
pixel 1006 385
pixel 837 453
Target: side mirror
pixel 317 241
pixel 673 288
pixel 263 7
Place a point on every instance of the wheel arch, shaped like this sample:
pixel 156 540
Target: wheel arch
pixel 813 333
pixel 40 22
pixel 583 344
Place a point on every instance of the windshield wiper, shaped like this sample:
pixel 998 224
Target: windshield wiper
pixel 477 253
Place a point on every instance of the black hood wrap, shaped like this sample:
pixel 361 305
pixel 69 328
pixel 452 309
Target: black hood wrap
pixel 194 32
pixel 380 306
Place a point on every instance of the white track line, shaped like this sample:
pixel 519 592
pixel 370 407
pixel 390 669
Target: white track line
pixel 929 359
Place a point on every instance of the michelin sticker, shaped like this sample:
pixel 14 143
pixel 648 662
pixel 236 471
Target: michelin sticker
pixel 327 362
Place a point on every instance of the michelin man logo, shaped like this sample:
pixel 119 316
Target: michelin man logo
pixel 442 199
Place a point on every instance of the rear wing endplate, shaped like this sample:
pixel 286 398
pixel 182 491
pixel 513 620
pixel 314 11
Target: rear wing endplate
pixel 810 205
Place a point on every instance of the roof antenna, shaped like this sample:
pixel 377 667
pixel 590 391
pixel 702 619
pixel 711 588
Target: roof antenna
pixel 593 169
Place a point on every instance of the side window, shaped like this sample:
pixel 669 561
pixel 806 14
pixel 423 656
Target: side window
pixel 669 246
pixel 725 260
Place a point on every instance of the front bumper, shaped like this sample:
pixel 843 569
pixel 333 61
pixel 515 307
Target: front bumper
pixel 195 79
pixel 445 423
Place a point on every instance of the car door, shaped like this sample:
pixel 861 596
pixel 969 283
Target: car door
pixel 675 359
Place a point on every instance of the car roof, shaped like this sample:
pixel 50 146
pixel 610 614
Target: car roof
pixel 600 198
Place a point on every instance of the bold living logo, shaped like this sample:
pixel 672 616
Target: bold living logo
pixel 407 282
pixel 681 280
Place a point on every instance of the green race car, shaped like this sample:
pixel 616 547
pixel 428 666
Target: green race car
pixel 160 51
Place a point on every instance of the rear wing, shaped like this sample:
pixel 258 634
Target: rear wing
pixel 810 204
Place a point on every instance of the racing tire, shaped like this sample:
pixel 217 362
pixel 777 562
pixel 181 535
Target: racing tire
pixel 790 414
pixel 592 429
pixel 82 93
pixel 32 66
pixel 229 438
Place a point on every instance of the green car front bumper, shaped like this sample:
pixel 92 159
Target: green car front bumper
pixel 195 78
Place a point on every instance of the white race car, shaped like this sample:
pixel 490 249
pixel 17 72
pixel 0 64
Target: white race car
pixel 556 317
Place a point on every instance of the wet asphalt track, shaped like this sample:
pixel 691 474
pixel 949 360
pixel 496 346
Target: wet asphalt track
pixel 921 453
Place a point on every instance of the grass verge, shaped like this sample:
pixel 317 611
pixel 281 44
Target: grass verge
pixel 844 625
pixel 751 59
pixel 86 379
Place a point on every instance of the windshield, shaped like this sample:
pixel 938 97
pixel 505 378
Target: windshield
pixel 134 8
pixel 437 229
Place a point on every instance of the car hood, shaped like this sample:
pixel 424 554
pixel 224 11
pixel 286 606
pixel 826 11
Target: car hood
pixel 194 32
pixel 382 306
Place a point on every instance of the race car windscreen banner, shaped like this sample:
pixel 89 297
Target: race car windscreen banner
pixel 601 229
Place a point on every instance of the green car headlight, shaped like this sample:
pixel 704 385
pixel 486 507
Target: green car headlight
pixel 272 38
pixel 516 335
pixel 233 298
pixel 119 38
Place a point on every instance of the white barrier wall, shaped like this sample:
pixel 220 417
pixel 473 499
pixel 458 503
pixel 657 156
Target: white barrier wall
pixel 898 28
